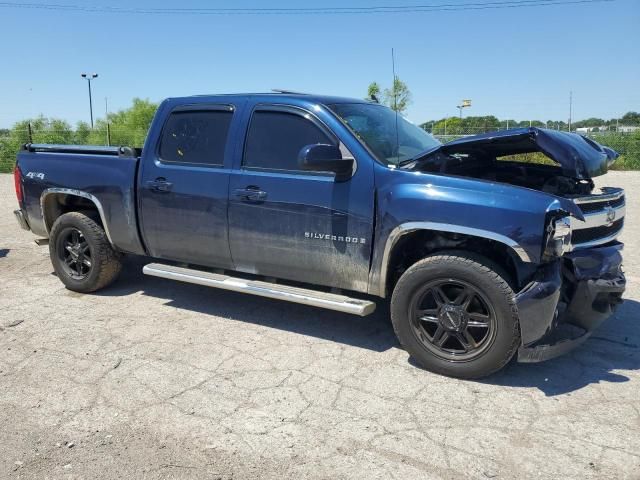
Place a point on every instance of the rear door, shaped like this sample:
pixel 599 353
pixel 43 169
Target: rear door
pixel 183 190
pixel 294 224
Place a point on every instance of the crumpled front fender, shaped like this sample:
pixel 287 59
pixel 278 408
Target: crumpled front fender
pixel 567 300
pixel 538 303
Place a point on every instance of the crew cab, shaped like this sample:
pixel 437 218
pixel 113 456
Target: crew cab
pixel 338 203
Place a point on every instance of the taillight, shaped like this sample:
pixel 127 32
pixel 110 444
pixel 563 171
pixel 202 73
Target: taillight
pixel 17 178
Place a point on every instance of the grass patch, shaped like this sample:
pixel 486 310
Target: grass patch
pixel 536 157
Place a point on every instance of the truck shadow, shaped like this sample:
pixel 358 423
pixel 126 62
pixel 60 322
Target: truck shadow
pixel 4 252
pixel 614 346
pixel 373 332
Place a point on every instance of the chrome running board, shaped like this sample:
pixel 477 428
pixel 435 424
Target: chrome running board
pixel 330 301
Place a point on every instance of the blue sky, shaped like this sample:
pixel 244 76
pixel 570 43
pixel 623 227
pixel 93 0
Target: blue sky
pixel 519 63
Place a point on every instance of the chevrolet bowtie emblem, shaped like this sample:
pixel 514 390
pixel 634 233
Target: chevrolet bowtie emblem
pixel 611 215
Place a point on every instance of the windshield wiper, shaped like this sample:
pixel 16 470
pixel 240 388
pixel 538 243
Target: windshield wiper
pixel 417 157
pixel 405 162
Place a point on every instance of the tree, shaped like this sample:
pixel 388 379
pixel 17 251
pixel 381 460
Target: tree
pixel 480 124
pixel 589 122
pixel 83 133
pixel 630 118
pixel 43 130
pixel 373 91
pixel 398 97
pixel 127 127
pixel 448 126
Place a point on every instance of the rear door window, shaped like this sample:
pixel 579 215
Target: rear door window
pixel 196 136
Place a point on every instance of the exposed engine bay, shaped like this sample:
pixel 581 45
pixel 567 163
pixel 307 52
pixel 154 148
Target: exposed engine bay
pixel 568 161
pixel 546 178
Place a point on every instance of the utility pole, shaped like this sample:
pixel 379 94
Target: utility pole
pixel 90 77
pixel 570 108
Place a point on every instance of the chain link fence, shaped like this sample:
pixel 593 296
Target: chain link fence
pixel 11 140
pixel 626 143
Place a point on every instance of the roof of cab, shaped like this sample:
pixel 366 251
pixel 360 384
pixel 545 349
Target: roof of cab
pixel 283 96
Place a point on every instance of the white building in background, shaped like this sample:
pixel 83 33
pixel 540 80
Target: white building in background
pixel 602 128
pixel 605 128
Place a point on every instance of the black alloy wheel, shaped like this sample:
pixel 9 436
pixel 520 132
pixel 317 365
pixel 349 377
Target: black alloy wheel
pixel 74 253
pixel 456 314
pixel 81 253
pixel 453 319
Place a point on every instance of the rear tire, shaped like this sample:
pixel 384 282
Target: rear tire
pixel 81 254
pixel 456 315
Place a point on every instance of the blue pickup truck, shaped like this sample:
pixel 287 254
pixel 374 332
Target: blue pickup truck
pixel 336 203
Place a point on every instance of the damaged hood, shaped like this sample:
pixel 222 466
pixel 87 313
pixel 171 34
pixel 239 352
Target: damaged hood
pixel 578 156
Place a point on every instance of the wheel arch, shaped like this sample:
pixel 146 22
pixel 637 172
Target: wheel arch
pixel 410 242
pixel 58 201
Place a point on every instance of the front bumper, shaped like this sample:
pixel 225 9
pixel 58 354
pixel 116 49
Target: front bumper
pixel 567 300
pixel 22 219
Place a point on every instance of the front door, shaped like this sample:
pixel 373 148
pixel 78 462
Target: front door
pixel 184 187
pixel 292 224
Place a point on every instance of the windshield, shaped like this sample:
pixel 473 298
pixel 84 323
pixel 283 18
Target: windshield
pixel 375 126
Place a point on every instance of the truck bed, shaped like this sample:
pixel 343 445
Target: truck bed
pixel 53 174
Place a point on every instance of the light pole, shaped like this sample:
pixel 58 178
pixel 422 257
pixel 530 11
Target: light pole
pixel 90 77
pixel 570 108
pixel 464 104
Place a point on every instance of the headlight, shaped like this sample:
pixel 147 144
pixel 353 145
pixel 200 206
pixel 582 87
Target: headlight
pixel 558 237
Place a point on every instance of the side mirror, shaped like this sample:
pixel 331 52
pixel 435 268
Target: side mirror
pixel 325 158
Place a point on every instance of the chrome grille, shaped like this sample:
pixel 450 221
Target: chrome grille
pixel 601 205
pixel 604 218
pixel 590 234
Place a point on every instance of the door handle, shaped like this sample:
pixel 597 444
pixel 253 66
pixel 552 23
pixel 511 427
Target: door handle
pixel 159 185
pixel 253 194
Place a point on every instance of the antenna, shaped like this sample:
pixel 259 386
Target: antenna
pixel 570 108
pixel 395 102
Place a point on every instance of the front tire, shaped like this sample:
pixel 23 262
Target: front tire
pixel 81 254
pixel 455 314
